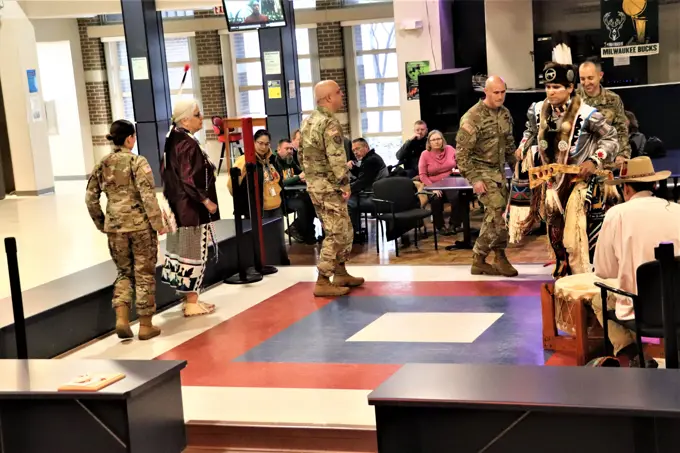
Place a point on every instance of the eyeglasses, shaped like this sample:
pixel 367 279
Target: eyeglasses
pixel 436 139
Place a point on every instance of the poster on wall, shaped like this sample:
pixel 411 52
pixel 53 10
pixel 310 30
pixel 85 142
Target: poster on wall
pixel 630 28
pixel 32 80
pixel 413 70
pixel 274 89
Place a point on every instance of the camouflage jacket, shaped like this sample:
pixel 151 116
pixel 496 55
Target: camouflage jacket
pixel 322 153
pixel 609 104
pixel 128 183
pixel 484 144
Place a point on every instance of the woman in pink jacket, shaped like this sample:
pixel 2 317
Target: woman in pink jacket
pixel 437 163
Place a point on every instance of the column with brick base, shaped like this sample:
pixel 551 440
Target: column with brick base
pixel 332 63
pixel 97 86
pixel 332 56
pixel 213 98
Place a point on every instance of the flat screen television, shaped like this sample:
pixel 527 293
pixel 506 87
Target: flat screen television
pixel 253 14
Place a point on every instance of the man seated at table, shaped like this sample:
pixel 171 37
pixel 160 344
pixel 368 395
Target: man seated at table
pixel 409 153
pixel 302 229
pixel 629 234
pixel 367 169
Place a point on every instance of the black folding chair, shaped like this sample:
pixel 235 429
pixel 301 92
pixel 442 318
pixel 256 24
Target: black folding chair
pixel 648 305
pixel 396 201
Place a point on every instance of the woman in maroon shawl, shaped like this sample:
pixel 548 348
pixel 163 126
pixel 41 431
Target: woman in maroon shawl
pixel 189 186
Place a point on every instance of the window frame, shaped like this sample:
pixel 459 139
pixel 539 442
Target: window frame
pixel 356 55
pixel 312 56
pixel 117 95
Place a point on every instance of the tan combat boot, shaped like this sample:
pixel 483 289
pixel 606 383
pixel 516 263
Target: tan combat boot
pixel 123 322
pixel 146 328
pixel 342 278
pixel 481 267
pixel 324 288
pixel 502 264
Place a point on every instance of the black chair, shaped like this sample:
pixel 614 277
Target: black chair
pixel 396 201
pixel 647 305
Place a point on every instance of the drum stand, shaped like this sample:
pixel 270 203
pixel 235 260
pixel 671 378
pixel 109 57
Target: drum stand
pixel 580 343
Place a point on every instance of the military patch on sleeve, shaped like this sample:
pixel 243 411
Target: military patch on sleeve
pixel 147 168
pixel 335 133
pixel 467 127
pixel 463 137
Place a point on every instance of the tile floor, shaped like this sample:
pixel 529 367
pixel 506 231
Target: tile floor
pixel 272 353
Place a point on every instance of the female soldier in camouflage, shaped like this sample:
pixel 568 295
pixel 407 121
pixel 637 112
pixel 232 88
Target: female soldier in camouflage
pixel 133 218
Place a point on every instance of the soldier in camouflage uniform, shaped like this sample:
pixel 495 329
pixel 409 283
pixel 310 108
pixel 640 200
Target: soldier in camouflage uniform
pixel 606 102
pixel 322 153
pixel 484 144
pixel 133 217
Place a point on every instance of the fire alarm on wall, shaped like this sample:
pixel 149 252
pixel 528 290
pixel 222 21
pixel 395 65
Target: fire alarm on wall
pixel 411 24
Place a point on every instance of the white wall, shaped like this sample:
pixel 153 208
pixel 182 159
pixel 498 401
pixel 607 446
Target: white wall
pixel 81 156
pixel 31 162
pixel 66 144
pixel 509 21
pixel 416 45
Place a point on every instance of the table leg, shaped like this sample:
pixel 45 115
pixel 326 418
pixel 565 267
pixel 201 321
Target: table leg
pixel 466 243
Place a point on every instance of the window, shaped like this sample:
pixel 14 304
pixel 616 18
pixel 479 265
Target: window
pixel 118 18
pixel 178 52
pixel 378 87
pixel 304 4
pixel 248 72
pixel 306 71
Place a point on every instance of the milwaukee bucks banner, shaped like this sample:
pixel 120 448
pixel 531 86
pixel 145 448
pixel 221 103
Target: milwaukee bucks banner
pixel 630 28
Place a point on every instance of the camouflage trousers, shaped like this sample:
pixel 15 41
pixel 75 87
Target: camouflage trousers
pixel 331 209
pixel 135 255
pixel 494 232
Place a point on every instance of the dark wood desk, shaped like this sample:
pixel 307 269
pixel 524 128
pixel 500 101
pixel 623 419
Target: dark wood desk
pixel 140 414
pixel 493 408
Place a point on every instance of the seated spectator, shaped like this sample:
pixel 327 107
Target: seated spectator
pixel 639 144
pixel 409 153
pixel 636 138
pixel 302 229
pixel 436 164
pixel 268 175
pixel 296 145
pixel 629 234
pixel 368 168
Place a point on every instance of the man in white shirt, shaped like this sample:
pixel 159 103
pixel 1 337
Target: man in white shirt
pixel 628 237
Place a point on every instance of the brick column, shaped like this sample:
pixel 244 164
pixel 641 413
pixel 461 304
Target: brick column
pixel 211 73
pixel 96 84
pixel 332 56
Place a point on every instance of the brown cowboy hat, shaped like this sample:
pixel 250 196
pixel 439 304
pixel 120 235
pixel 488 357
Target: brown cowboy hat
pixel 639 169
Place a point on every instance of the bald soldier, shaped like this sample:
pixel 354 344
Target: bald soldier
pixel 322 153
pixel 606 102
pixel 484 144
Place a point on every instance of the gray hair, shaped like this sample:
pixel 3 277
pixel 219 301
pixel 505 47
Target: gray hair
pixel 184 109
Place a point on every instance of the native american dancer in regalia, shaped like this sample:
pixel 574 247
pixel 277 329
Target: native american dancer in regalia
pixel 565 151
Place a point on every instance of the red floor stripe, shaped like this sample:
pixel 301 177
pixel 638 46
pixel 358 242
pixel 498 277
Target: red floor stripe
pixel 289 375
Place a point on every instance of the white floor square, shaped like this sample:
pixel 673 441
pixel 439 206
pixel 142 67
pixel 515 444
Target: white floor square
pixel 427 327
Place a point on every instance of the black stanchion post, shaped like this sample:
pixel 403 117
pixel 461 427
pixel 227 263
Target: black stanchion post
pixel 255 198
pixel 665 253
pixel 17 299
pixel 243 276
pixel 255 218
